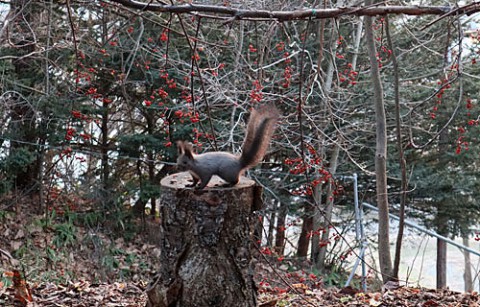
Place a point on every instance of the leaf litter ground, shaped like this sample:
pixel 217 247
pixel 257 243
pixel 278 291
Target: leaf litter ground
pixel 113 272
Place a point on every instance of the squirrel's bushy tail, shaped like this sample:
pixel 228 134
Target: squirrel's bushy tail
pixel 261 126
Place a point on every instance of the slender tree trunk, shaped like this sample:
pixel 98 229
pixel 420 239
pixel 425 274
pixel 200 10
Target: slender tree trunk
pixel 441 223
pixel 358 39
pixel 271 226
pixel 280 234
pixel 105 173
pixel 467 276
pixel 318 220
pixel 401 158
pixel 441 263
pixel 307 225
pixel 380 156
pixel 317 227
pixel 138 208
pixel 320 262
pixel 331 64
pixel 441 220
pixel 151 163
pixel 105 126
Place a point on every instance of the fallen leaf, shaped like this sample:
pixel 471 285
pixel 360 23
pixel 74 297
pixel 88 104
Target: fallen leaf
pixel 349 291
pixel 20 234
pixel 16 245
pixel 272 303
pixel 430 303
pixel 375 303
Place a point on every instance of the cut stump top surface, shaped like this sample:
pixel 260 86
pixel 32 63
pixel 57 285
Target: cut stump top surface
pixel 181 180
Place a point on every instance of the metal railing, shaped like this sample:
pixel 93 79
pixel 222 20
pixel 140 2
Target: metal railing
pixel 360 235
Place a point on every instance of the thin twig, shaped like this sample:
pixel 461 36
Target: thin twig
pixel 202 83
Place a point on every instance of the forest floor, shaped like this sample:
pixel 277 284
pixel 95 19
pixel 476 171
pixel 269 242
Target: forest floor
pixel 64 264
pixel 302 295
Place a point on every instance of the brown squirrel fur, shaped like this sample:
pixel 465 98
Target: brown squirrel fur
pixel 227 166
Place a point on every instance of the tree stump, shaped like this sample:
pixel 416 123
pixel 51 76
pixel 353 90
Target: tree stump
pixel 205 237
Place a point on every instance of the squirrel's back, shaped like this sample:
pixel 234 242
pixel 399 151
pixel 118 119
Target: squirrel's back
pixel 223 164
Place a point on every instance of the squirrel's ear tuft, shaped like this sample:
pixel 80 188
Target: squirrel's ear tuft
pixel 181 147
pixel 188 149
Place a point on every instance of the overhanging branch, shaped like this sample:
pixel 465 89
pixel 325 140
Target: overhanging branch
pixel 314 13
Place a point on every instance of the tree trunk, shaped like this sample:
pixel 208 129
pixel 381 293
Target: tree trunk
pixel 104 146
pixel 205 236
pixel 271 225
pixel 441 221
pixel 320 261
pixel 151 161
pixel 307 227
pixel 401 157
pixel 467 276
pixel 317 227
pixel 380 156
pixel 280 234
pixel 441 264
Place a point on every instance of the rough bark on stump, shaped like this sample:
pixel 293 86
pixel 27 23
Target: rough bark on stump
pixel 205 236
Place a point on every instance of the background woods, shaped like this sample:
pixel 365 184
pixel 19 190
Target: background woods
pixel 93 96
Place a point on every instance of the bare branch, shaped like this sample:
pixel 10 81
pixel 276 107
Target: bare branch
pixel 313 13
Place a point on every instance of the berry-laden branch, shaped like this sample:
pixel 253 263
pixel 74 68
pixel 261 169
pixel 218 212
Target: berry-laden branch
pixel 314 13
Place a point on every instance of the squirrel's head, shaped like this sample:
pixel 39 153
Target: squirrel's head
pixel 185 155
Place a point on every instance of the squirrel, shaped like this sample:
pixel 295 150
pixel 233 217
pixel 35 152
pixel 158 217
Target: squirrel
pixel 227 166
